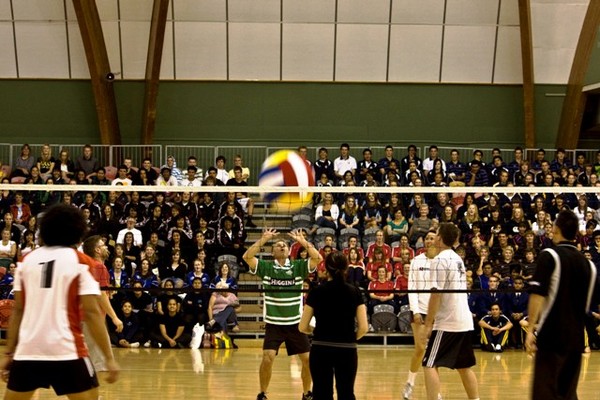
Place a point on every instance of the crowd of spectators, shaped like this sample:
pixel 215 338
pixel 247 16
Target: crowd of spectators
pixel 178 238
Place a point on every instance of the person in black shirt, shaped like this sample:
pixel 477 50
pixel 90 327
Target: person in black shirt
pixel 336 306
pixel 562 289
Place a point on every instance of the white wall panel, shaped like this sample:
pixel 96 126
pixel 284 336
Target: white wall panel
pixel 509 12
pixel 308 10
pixel 415 53
pixel 418 12
pixel 79 66
pixel 42 49
pixel 308 52
pixel 199 10
pixel 136 10
pixel 39 10
pixel 107 9
pixel 167 69
pixel 556 29
pixel 113 46
pixel 552 65
pixel 368 12
pixel 254 51
pixel 200 50
pixel 254 10
pixel 5 13
pixel 134 39
pixel 8 66
pixel 361 53
pixel 471 12
pixel 468 54
pixel 508 56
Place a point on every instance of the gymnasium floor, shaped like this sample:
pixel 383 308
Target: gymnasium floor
pixel 152 374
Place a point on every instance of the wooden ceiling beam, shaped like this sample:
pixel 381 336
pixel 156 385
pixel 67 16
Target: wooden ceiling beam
pixel 528 73
pixel 153 62
pixel 101 76
pixel 569 127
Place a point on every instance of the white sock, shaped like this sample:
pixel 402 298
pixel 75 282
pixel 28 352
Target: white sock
pixel 411 377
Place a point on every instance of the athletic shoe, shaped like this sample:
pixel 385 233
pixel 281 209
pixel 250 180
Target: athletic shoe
pixel 498 348
pixel 134 345
pixel 440 396
pixel 147 345
pixel 407 392
pixel 261 396
pixel 307 396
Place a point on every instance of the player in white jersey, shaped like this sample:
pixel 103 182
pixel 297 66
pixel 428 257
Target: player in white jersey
pixel 52 286
pixel 449 322
pixel 419 279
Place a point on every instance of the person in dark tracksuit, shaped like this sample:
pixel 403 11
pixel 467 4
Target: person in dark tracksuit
pixel 561 292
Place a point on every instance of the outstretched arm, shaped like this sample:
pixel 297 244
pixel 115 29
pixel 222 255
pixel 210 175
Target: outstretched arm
pixel 250 254
pixel 313 253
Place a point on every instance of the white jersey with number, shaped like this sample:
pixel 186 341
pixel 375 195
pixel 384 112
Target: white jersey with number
pixel 419 279
pixel 448 272
pixel 51 281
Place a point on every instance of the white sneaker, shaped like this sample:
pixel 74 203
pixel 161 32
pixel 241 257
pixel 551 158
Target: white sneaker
pixel 498 347
pixel 440 396
pixel 407 392
pixel 134 345
pixel 147 344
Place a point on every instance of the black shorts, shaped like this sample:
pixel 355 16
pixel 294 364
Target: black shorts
pixel 449 349
pixel 296 342
pixel 65 377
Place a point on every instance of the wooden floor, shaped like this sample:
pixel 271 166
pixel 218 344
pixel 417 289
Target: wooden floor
pixel 152 374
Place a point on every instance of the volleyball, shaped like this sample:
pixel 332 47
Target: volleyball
pixel 287 168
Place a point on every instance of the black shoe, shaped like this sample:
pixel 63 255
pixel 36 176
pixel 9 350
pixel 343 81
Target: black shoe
pixel 250 224
pixel 261 396
pixel 307 396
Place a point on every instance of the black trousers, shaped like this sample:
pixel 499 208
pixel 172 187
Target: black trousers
pixel 556 375
pixel 327 362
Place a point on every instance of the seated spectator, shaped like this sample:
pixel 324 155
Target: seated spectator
pixel 378 259
pixel 489 297
pixel 395 226
pixel 132 334
pixel 372 212
pixel 455 168
pixel 224 275
pixel 174 269
pixel 191 179
pixel 366 166
pixel 163 298
pixel 131 254
pixel 20 210
pixel 45 162
pixel 246 202
pixel 381 291
pixel 356 268
pixel 379 244
pixel 141 303
pixel 516 310
pixel 175 171
pixel 401 284
pixel 476 175
pixel 198 273
pixel 222 309
pixel 495 329
pixel 35 177
pixel 65 166
pixel 195 304
pixel 145 276
pixel 29 244
pixel 350 217
pixel 138 240
pixel 326 214
pixel 353 243
pixel 420 227
pixel 150 171
pixel 231 242
pixel 166 178
pixel 8 249
pixel 122 178
pixel 170 332
pixel 23 163
pixel 86 161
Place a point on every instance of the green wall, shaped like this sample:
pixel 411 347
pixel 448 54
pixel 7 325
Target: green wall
pixel 280 114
